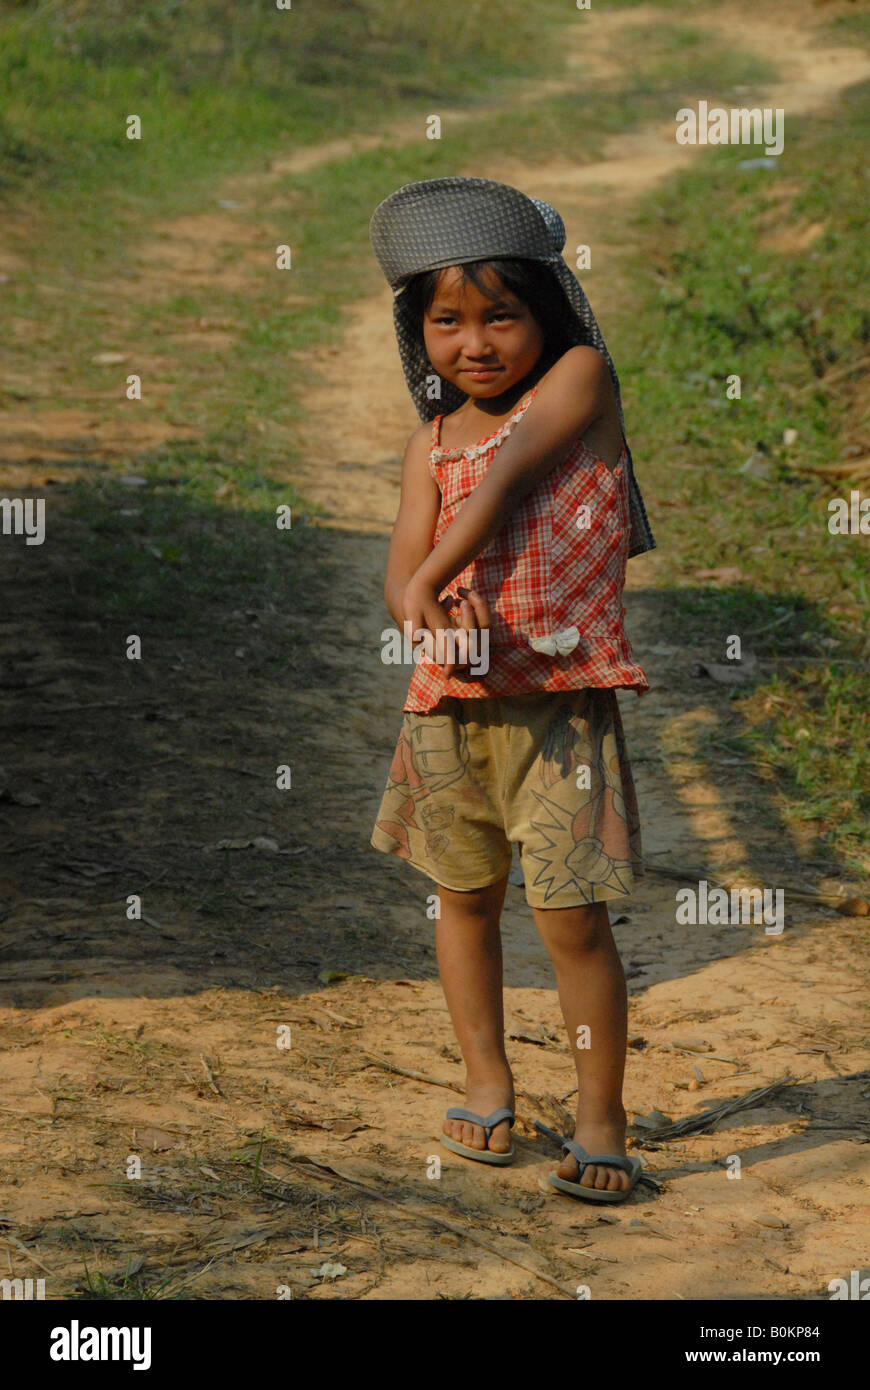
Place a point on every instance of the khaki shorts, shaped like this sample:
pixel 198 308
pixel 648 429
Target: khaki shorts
pixel 466 784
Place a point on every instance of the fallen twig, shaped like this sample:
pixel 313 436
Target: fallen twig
pixel 22 1248
pixel 373 1060
pixel 192 1277
pixel 584 1252
pixel 696 1124
pixel 692 1052
pixel 211 1076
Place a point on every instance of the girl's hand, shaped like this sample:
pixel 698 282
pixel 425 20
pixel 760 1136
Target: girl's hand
pixel 421 607
pixel 474 616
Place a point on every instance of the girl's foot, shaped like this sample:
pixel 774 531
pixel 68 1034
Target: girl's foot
pixel 483 1098
pixel 606 1136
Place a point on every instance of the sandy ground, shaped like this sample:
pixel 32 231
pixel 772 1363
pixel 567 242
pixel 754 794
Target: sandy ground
pixel 287 1128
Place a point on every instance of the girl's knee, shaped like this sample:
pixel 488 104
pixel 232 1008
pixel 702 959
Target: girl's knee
pixel 482 903
pixel 574 929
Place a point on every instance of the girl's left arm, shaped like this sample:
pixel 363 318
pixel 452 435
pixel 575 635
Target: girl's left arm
pixel 572 395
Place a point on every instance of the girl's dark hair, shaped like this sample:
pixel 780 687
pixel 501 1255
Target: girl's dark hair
pixel 531 281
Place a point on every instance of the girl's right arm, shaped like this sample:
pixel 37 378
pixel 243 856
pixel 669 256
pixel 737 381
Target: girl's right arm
pixel 411 544
pixel 417 518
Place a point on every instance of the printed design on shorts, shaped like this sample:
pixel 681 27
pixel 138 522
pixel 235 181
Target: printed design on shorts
pixel 572 859
pixel 587 850
pixel 563 744
pixel 427 760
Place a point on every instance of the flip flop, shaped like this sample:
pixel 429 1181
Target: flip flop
pixel 630 1164
pixel 488 1123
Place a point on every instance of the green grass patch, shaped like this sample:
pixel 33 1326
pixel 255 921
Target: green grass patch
pixel 143 556
pixel 127 1285
pixel 215 84
pixel 604 5
pixel 711 300
pixel 850 28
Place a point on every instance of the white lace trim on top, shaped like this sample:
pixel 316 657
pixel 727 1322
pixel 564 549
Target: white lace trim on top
pixel 492 441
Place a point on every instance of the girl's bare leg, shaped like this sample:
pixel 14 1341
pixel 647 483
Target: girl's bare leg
pixel 468 946
pixel 592 991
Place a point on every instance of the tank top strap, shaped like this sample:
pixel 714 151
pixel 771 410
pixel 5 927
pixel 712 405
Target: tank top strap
pixel 482 446
pixel 434 441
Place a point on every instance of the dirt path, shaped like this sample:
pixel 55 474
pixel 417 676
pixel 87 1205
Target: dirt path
pixel 161 1038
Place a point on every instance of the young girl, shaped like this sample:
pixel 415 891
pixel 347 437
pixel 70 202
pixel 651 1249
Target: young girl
pixel 519 510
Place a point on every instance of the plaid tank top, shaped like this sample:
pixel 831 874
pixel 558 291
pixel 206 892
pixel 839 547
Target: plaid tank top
pixel 553 577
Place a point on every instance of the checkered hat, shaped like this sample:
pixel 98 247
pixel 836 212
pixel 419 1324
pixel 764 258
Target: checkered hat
pixel 441 222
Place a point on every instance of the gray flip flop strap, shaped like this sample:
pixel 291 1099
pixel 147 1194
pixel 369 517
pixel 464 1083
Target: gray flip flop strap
pixel 487 1122
pixel 605 1160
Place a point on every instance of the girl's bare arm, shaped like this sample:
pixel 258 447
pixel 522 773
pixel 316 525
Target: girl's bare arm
pixel 415 523
pixel 412 542
pixel 573 394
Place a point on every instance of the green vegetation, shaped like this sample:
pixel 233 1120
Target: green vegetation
pixel 850 28
pixel 659 4
pixel 127 1286
pixel 714 293
pixel 218 85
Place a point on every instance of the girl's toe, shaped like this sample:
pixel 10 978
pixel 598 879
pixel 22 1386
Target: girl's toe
pixel 499 1140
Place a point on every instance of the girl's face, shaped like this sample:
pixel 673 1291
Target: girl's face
pixel 483 346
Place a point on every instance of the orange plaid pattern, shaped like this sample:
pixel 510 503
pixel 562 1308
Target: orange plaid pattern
pixel 557 563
